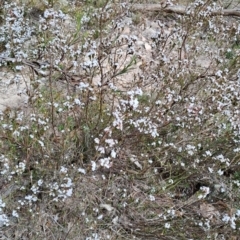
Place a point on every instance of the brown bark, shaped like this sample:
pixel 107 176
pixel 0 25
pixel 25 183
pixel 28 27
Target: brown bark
pixel 181 9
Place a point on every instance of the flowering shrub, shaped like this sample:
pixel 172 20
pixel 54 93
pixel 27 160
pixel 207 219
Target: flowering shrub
pixel 123 135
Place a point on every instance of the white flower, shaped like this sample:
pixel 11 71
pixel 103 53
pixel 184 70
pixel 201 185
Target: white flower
pixel 68 184
pixel 83 85
pixel 110 142
pixel 31 198
pixel 2 204
pixel 77 101
pixel 16 133
pixel 34 188
pixel 238 213
pixel 113 154
pixel 81 170
pixel 236 150
pixel 94 166
pixel 15 214
pixel 152 198
pixel 233 224
pixel 208 153
pixel 63 170
pixel 41 143
pixel 204 191
pixel 69 192
pixel 171 212
pixel 226 218
pixel 170 181
pixel 105 162
pixel 219 73
pixel 210 170
pixel 20 168
pixel 134 103
pixel 100 149
pixel 167 225
pixel 3 220
pixel 220 172
pixel 40 182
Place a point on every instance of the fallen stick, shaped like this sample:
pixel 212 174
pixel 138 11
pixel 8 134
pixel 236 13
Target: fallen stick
pixel 181 9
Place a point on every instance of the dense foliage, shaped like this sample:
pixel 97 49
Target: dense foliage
pixel 119 137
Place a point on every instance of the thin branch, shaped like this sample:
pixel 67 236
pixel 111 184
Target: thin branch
pixel 181 9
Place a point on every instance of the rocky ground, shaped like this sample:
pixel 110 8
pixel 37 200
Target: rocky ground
pixel 14 85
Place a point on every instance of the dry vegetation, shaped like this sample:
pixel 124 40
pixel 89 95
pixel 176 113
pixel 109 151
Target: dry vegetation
pixel 111 144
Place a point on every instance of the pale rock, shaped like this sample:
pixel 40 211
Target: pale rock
pixel 126 30
pixel 149 32
pixel 147 47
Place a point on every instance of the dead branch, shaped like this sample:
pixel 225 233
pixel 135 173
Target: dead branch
pixel 181 9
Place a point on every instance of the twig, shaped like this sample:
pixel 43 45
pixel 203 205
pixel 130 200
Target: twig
pixel 181 9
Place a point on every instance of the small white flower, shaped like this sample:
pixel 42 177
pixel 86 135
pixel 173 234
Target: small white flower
pixel 40 182
pixel 210 170
pixel 152 198
pixel 34 188
pixel 238 213
pixel 94 166
pixel 16 133
pixel 69 192
pixel 208 153
pixel 100 149
pixel 105 162
pixel 83 85
pixel 110 142
pixel 113 154
pixel 226 218
pixel 15 214
pixel 77 102
pixel 31 198
pixel 233 224
pixel 4 220
pixel 218 73
pixel 206 190
pixel 134 103
pixel 2 204
pixel 81 170
pixel 41 143
pixel 68 184
pixel 63 170
pixel 170 181
pixel 167 225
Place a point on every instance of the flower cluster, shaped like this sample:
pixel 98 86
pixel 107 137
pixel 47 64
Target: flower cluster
pixel 146 116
